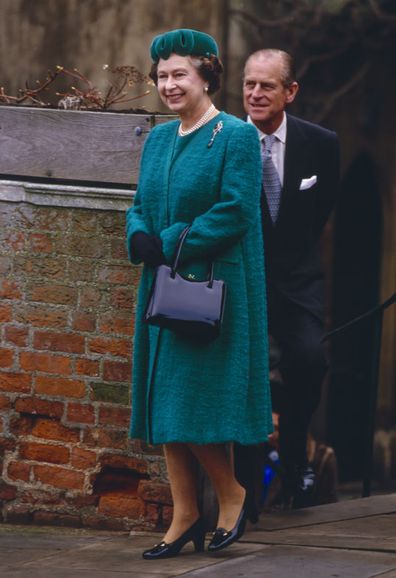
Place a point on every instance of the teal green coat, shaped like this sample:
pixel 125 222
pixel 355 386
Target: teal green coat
pixel 217 392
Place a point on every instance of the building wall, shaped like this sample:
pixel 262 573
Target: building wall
pixel 67 299
pixel 37 36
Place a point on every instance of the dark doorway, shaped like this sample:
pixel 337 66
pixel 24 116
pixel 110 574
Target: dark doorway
pixel 357 235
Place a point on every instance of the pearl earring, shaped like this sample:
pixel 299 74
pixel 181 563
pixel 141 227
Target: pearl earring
pixel 206 88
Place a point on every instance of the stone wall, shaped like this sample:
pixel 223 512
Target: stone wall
pixel 67 297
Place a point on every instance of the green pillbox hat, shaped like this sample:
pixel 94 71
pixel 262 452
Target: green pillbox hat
pixel 183 41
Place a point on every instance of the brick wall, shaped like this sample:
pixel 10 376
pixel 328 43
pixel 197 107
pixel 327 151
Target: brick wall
pixel 66 313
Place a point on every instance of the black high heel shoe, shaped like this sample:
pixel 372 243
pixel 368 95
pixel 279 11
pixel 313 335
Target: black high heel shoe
pixel 196 534
pixel 223 538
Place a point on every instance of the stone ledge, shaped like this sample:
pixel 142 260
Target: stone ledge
pixel 70 196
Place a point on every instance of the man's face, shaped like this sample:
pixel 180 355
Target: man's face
pixel 264 95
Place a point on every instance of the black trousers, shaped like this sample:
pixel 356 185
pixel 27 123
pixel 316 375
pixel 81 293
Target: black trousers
pixel 302 366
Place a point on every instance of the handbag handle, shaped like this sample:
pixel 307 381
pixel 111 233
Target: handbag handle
pixel 176 257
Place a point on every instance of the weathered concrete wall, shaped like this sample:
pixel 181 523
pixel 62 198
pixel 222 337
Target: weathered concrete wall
pixel 37 36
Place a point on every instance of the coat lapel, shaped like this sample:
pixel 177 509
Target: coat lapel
pixel 295 161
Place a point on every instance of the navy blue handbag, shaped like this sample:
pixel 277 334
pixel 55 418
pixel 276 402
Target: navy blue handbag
pixel 193 309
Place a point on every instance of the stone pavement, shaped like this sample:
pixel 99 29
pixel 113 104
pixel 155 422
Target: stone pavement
pixel 350 539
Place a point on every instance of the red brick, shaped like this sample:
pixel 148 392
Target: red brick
pixel 14 382
pixel 80 413
pixel 66 342
pixel 115 347
pixel 7 492
pixel 44 453
pixel 89 367
pixel 83 221
pixel 45 362
pixel 21 425
pixel 117 504
pixel 82 500
pixel 59 477
pixel 1 425
pixel 50 293
pixel 22 216
pixel 83 247
pixel 122 298
pixel 112 224
pixel 16 335
pixel 118 274
pixel 120 461
pixel 53 430
pixel 14 241
pixel 82 270
pixel 36 406
pixel 41 316
pixel 40 497
pixel 90 297
pixel 84 321
pixel 59 386
pixel 18 471
pixel 6 357
pixel 10 290
pixel 151 514
pixel 41 267
pixel 5 312
pixel 143 448
pixel 106 438
pixel 18 514
pixel 5 402
pixel 46 219
pixel 155 492
pixel 117 371
pixel 83 459
pixel 57 519
pixel 116 416
pixel 40 243
pixel 5 266
pixel 116 324
pixel 118 249
pixel 6 444
pixel 100 522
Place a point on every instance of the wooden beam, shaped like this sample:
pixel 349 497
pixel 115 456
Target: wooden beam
pixel 73 145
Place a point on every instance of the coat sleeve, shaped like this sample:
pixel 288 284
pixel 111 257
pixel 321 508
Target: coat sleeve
pixel 134 218
pixel 229 219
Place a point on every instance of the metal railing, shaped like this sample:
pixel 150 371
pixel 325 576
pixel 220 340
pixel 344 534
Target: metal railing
pixel 376 314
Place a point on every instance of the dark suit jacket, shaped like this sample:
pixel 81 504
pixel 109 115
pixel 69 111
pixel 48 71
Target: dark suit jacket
pixel 293 261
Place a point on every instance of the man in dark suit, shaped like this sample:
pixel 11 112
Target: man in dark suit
pixel 301 165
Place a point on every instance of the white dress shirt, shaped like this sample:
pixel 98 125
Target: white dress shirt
pixel 279 146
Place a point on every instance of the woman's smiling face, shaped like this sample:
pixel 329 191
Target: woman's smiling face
pixel 180 85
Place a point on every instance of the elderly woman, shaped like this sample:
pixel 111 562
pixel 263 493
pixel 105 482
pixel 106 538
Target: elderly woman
pixel 201 171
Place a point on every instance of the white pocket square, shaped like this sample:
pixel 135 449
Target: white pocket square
pixel 308 183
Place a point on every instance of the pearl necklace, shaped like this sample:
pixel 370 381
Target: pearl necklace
pixel 200 122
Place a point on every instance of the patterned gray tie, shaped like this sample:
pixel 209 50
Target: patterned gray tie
pixel 271 183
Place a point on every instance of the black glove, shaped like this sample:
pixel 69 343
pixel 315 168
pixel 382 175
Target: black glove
pixel 147 248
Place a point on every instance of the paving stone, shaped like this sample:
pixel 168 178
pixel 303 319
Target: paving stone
pixel 349 509
pixel 296 562
pixel 371 533
pixel 354 541
pixel 70 556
